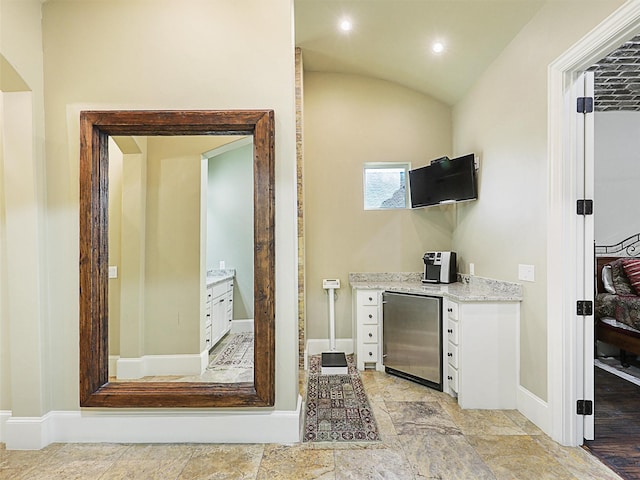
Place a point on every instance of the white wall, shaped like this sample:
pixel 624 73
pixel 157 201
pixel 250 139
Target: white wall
pixel 187 54
pixel 350 120
pixel 503 118
pixel 230 222
pixel 23 277
pixel 617 176
pixel 167 55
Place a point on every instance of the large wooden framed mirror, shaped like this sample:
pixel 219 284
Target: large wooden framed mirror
pixel 96 388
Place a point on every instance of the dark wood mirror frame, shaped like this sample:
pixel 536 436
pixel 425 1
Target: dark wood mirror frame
pixel 95 388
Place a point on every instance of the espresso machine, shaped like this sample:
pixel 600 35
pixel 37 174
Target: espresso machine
pixel 439 267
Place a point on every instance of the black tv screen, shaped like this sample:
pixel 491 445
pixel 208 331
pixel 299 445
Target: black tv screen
pixel 444 181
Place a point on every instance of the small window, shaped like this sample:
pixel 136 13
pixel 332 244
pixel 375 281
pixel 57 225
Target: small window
pixel 385 186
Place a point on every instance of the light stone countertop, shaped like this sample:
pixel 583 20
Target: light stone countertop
pixel 467 289
pixel 218 276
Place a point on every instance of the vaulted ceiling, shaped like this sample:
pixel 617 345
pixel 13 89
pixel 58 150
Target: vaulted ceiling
pixel 392 39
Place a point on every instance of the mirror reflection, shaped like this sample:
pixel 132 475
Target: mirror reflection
pixel 181 258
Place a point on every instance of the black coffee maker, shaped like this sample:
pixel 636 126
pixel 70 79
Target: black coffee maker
pixel 439 267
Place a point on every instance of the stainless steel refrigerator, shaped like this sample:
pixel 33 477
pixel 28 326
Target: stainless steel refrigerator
pixel 412 337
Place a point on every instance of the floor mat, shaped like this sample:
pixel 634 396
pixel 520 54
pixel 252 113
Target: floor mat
pixel 337 408
pixel 238 352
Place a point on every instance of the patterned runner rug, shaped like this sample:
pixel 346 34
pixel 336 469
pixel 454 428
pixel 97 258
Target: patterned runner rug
pixel 238 352
pixel 337 407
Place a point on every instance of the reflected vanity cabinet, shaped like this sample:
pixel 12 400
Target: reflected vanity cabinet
pixel 481 342
pixel 367 328
pixel 218 311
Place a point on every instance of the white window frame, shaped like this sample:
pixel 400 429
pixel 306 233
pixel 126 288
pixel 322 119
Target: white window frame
pixel 382 166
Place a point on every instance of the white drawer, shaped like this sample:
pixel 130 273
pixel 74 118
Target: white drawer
pixel 208 336
pixel 218 289
pixel 452 355
pixel 370 334
pixel 452 378
pixel 368 298
pixel 229 300
pixel 368 314
pixel 452 331
pixel 452 310
pixel 369 352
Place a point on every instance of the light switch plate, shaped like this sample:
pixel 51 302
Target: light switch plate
pixel 526 273
pixel 113 271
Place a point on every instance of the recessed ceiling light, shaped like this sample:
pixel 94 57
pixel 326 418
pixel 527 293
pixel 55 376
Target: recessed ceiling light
pixel 437 47
pixel 346 25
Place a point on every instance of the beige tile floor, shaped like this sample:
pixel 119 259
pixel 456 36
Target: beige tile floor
pixel 424 436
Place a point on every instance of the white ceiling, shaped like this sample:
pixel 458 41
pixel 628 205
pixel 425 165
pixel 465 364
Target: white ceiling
pixel 391 39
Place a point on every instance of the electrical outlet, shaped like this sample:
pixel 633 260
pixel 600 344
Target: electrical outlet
pixel 526 273
pixel 472 269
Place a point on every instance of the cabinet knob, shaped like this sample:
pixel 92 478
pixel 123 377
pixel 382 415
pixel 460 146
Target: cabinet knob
pixel 449 354
pixel 449 331
pixel 371 354
pixel 449 377
pixel 371 299
pixel 370 335
pixel 449 309
pixel 370 316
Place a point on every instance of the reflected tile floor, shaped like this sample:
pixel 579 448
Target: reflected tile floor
pixel 425 435
pixel 222 374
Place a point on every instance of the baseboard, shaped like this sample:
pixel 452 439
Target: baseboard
pixel 166 426
pixel 28 433
pixel 153 365
pixel 113 365
pixel 242 326
pixel 4 416
pixel 316 346
pixel 204 360
pixel 535 409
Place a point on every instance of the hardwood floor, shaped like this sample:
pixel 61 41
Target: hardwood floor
pixel 617 424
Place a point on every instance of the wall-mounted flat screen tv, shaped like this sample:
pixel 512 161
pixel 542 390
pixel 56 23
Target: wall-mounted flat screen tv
pixel 444 181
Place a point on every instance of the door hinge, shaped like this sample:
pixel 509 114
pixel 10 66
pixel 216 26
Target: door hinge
pixel 585 407
pixel 585 104
pixel 585 308
pixel 585 207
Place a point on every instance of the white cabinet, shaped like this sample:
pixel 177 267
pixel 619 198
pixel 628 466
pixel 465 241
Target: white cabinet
pixel 367 316
pixel 482 353
pixel 480 347
pixel 219 311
